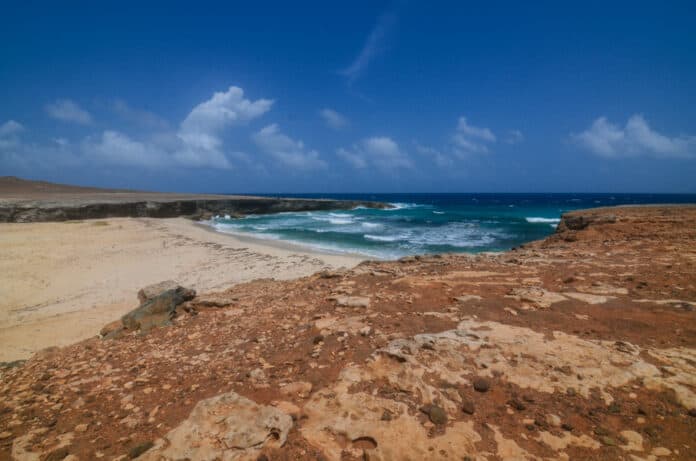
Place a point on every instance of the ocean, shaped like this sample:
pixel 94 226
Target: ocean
pixel 429 223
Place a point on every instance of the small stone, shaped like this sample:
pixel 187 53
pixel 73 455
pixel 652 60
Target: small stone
pixel 299 388
pixel 436 414
pixel 140 449
pixel 567 427
pixel 365 331
pixel 5 435
pixel 468 407
pixel 553 420
pixel 608 441
pixel 58 454
pixel 570 392
pixel 386 415
pixel 317 339
pixel 601 431
pixel 692 412
pixel 517 405
pixel 482 385
pixel 81 428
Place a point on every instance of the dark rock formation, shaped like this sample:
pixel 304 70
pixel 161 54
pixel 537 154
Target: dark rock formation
pixel 35 201
pixel 158 306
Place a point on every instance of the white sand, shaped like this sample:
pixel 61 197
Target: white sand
pixel 61 282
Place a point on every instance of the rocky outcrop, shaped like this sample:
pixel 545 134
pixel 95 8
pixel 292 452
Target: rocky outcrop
pixel 158 307
pixel 576 221
pixel 226 427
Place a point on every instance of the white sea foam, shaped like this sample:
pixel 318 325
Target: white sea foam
pixel 384 238
pixel 402 206
pixel 535 220
pixel 438 212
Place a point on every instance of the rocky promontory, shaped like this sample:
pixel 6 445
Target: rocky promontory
pixel 580 346
pixel 36 201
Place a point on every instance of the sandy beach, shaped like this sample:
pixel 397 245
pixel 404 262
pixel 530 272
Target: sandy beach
pixel 61 282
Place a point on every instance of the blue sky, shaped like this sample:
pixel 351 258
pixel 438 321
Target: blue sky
pixel 351 97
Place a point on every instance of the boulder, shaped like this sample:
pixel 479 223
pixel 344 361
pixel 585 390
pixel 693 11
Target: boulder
pixel 157 311
pixel 225 427
pixel 145 294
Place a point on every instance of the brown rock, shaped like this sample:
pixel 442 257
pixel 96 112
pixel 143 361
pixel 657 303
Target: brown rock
pixel 468 407
pixel 437 415
pixel 482 384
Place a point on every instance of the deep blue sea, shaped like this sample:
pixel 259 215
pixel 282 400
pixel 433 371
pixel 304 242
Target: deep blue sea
pixel 429 223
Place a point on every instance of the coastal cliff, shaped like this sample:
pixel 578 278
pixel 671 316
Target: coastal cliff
pixel 579 346
pixel 33 201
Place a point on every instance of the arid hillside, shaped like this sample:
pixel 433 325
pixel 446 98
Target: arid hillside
pixel 581 346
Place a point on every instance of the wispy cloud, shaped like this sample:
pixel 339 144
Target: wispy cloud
pixel 374 45
pixel 67 110
pixel 287 151
pixel 471 139
pixel 333 119
pixel 514 137
pixel 636 138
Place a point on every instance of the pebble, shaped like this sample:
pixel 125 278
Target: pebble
pixel 57 455
pixel 140 449
pixel 437 415
pixel 81 428
pixel 517 405
pixel 482 385
pixel 606 440
pixel 5 435
pixel 553 420
pixel 468 407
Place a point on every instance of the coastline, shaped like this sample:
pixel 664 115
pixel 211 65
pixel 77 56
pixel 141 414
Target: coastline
pixel 281 244
pixel 62 281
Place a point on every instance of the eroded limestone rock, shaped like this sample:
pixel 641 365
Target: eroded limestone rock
pixel 226 427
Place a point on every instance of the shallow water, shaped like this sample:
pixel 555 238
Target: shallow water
pixel 429 223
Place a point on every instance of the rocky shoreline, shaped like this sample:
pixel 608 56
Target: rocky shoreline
pixel 31 201
pixel 580 346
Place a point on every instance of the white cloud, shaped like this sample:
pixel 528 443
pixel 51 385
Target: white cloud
pixel 139 117
pixel 380 151
pixel 333 119
pixel 10 127
pixel 286 150
pixel 203 125
pixel 514 137
pixel 117 148
pixel 66 110
pixel 634 139
pixel 9 135
pixel 469 138
pixel 374 45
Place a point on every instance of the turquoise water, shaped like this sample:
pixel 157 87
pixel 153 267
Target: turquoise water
pixel 429 223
